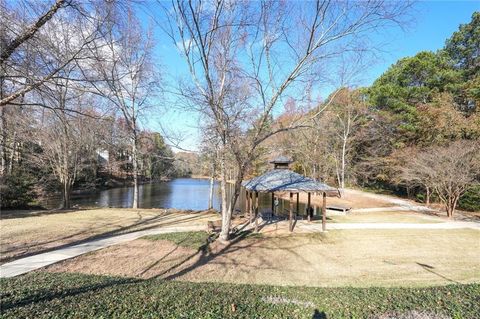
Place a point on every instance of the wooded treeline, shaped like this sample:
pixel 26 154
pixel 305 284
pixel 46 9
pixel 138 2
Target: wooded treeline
pixel 76 79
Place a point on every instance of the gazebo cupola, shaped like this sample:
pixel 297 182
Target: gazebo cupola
pixel 281 162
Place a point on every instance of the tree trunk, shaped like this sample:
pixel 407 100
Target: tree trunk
pixel 210 196
pixel 227 213
pixel 226 209
pixel 66 192
pixel 427 199
pixel 451 204
pixel 3 138
pixel 135 172
pixel 13 149
pixel 344 147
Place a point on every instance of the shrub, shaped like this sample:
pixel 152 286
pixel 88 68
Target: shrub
pixel 471 199
pixel 17 190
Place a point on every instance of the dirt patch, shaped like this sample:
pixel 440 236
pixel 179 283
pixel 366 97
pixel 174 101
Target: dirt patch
pixel 338 258
pixel 350 198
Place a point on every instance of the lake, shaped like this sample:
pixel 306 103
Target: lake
pixel 180 193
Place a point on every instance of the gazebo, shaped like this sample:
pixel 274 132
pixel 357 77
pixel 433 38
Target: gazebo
pixel 282 180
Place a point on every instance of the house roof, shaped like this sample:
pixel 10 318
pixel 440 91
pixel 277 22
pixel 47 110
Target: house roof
pixel 284 180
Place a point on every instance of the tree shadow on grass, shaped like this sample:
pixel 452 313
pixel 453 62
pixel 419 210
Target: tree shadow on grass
pixel 159 221
pixel 204 256
pixel 24 213
pixel 319 315
pixel 430 270
pixel 230 260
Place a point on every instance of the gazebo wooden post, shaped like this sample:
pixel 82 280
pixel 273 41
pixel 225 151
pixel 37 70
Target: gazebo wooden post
pixel 308 207
pixel 298 204
pixel 290 223
pixel 273 203
pixel 256 212
pixel 247 208
pixel 324 212
pixel 252 207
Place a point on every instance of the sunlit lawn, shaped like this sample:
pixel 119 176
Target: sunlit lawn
pixel 361 258
pixel 36 232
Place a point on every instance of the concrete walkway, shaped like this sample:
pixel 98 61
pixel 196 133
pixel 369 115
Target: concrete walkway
pixel 410 208
pixel 302 226
pixel 446 225
pixel 24 265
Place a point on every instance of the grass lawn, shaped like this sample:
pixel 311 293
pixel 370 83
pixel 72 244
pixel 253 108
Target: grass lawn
pixel 45 295
pixel 24 233
pixel 193 240
pixel 360 258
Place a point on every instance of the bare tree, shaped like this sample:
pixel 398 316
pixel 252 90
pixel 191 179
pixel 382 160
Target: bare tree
pixel 29 32
pixel 347 109
pixel 124 74
pixel 66 142
pixel 447 170
pixel 245 57
pixel 25 43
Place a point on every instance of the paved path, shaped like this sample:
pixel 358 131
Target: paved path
pixel 306 227
pixel 409 208
pixel 446 225
pixel 24 265
pixel 400 203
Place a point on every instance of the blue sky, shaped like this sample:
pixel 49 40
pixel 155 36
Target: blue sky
pixel 435 21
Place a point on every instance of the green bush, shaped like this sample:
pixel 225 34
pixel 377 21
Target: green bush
pixel 471 199
pixel 17 190
pixel 49 295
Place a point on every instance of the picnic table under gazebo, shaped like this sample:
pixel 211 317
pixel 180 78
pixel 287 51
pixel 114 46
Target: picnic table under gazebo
pixel 283 180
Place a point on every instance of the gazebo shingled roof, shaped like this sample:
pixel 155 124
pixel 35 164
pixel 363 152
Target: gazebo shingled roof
pixel 285 180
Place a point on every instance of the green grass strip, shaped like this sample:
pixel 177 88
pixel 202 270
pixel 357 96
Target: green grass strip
pixel 47 295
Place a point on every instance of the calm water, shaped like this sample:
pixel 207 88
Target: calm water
pixel 181 193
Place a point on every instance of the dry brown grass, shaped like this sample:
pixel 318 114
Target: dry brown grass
pixel 338 258
pixel 48 230
pixel 385 217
